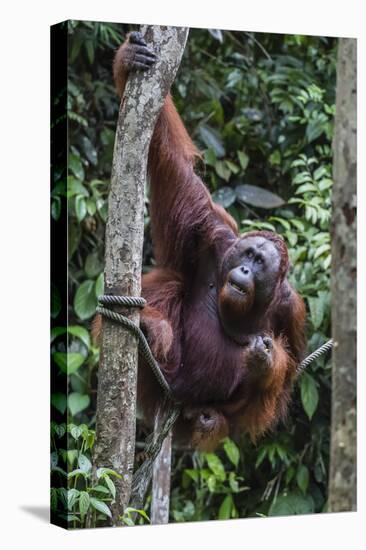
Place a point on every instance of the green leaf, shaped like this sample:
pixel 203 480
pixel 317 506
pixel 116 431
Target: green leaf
pixel 85 301
pixel 56 208
pixel 89 46
pixel 99 286
pixel 226 508
pixel 309 394
pixel 84 463
pixel 68 362
pixel 78 402
pixel 211 483
pixel 80 208
pixel 317 309
pixel 53 499
pixel 81 333
pixel 225 196
pixel 233 482
pixel 261 456
pixel 101 489
pixel 76 167
pixel 100 506
pixel 54 459
pixel 110 485
pixel 84 503
pixel 75 431
pixel 222 170
pixel 292 504
pixel 59 401
pixel 256 196
pixel 243 159
pixel 101 472
pixel 75 187
pixel 71 456
pixel 89 150
pixel 302 478
pixel 72 495
pixel 212 139
pixel 232 451
pixel 56 332
pixel 215 465
pixel 93 265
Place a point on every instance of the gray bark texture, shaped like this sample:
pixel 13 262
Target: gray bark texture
pixel 116 399
pixel 342 479
pixel 160 497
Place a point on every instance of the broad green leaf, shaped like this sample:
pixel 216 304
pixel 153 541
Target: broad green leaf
pixel 100 506
pixel 78 402
pixel 211 483
pixel 75 431
pixel 54 459
pixel 243 159
pixel 233 482
pixel 80 208
pixel 212 139
pixel 226 508
pixel 93 265
pixel 101 472
pixel 110 486
pixel 72 495
pixel 81 333
pixel 309 394
pixel 53 499
pixel 217 34
pixel 261 456
pixel 292 503
pixel 225 196
pixel 59 401
pixel 71 455
pixel 84 463
pixel 85 301
pixel 257 196
pixel 99 286
pixel 302 478
pixel 75 187
pixel 89 150
pixel 84 503
pixel 137 511
pixel 222 170
pixel 68 362
pixel 215 465
pixel 76 166
pixel 101 489
pixel 232 451
pixel 56 332
pixel 317 308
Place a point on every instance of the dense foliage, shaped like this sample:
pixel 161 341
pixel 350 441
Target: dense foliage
pixel 260 107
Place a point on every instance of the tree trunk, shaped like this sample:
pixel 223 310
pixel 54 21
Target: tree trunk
pixel 342 479
pixel 161 478
pixel 116 404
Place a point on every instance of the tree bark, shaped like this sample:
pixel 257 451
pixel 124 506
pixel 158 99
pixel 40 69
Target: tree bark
pixel 116 403
pixel 342 479
pixel 160 497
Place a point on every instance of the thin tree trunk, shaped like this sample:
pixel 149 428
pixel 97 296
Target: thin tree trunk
pixel 161 478
pixel 342 480
pixel 116 405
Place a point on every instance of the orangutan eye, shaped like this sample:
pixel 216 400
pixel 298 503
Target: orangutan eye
pixel 250 253
pixel 259 261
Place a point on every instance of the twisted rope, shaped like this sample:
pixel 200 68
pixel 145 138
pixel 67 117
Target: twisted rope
pixel 144 348
pixel 317 353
